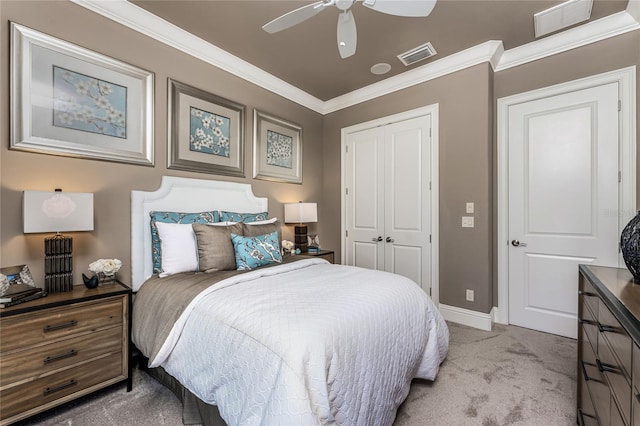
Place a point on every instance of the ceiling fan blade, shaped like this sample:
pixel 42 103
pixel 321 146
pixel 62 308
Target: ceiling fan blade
pixel 294 17
pixel 347 36
pixel 410 8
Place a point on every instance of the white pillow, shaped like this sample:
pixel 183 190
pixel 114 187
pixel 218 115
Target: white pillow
pixel 179 248
pixel 262 222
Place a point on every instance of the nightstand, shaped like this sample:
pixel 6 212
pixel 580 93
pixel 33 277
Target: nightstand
pixel 61 347
pixel 325 254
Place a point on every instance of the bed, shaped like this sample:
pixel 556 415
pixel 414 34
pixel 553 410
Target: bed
pixel 292 341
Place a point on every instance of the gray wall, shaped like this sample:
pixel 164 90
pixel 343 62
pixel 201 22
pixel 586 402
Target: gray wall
pixel 467 146
pixel 112 182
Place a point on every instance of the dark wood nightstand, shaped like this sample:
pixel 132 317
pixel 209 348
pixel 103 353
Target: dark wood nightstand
pixel 325 254
pixel 63 346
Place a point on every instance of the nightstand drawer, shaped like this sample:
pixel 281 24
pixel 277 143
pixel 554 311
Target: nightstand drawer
pixel 30 329
pixel 42 360
pixel 22 398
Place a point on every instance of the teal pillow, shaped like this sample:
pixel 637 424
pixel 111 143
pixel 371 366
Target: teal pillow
pixel 260 250
pixel 242 217
pixel 174 217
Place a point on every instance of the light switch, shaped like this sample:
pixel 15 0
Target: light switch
pixel 470 207
pixel 467 221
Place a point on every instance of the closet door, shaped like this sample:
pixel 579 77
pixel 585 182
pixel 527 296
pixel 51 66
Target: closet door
pixel 365 199
pixel 388 200
pixel 407 195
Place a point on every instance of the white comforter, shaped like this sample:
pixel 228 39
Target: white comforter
pixel 307 343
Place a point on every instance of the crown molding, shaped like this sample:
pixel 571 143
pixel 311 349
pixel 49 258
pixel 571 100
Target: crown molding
pixel 140 20
pixel 488 51
pixel 582 35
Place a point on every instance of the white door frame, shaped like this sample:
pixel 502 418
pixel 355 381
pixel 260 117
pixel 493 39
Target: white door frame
pixel 432 110
pixel 626 79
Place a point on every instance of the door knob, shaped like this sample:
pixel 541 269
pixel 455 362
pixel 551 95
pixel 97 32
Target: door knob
pixel 375 240
pixel 517 243
pixel 389 239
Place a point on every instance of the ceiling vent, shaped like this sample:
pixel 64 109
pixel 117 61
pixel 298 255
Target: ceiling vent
pixel 562 16
pixel 417 54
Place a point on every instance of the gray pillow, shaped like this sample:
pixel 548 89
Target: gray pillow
pixel 250 230
pixel 215 248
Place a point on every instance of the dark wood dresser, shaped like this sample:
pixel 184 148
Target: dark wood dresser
pixel 608 347
pixel 63 346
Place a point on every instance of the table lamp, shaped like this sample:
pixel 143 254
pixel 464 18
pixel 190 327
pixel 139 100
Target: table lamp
pixel 57 212
pixel 301 213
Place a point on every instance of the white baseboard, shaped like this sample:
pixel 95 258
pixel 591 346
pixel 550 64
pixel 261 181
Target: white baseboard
pixel 466 317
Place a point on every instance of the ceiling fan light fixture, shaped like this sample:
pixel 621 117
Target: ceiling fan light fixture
pixel 380 68
pixel 347 35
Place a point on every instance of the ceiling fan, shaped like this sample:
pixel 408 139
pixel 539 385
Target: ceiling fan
pixel 347 36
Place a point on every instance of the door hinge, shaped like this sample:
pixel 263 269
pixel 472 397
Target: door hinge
pixel 619 105
pixel 346 233
pixel 429 185
pixel 346 191
pixel 346 148
pixel 619 176
pixel 429 238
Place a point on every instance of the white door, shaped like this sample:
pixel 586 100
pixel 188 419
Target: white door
pixel 563 202
pixel 388 204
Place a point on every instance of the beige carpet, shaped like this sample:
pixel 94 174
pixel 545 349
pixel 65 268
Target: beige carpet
pixel 508 376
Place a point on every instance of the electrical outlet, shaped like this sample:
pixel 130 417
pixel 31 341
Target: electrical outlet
pixel 469 295
pixel 467 222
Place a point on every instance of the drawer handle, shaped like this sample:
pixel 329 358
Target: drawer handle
pixel 60 326
pixel 69 354
pixel 588 293
pixel 607 328
pixel 51 390
pixel 603 367
pixel 638 397
pixel 586 321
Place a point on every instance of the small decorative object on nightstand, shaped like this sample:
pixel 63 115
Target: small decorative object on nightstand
pixel 630 246
pixel 328 255
pixel 62 347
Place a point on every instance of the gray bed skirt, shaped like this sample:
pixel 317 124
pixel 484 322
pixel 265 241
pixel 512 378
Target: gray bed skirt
pixel 194 410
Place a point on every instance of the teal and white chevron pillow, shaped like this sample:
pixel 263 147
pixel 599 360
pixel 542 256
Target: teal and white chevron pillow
pixel 260 250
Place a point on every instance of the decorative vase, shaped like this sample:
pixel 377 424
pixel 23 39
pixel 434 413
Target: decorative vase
pixel 90 282
pixel 630 246
pixel 106 278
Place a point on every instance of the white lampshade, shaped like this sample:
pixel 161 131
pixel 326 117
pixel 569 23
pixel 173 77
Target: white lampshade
pixel 300 212
pixel 57 211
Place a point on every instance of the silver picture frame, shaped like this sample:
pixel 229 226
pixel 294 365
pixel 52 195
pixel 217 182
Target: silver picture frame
pixel 70 101
pixel 277 149
pixel 206 132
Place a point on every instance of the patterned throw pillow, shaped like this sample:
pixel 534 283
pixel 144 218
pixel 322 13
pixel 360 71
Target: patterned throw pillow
pixel 252 252
pixel 242 217
pixel 174 217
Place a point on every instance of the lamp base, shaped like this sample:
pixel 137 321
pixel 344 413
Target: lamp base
pixel 300 238
pixel 58 264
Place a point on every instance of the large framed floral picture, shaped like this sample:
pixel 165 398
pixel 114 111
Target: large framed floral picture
pixel 206 132
pixel 277 149
pixel 71 101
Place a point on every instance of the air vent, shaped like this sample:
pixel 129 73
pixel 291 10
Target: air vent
pixel 417 54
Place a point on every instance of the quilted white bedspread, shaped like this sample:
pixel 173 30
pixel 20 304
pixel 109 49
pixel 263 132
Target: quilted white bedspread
pixel 307 343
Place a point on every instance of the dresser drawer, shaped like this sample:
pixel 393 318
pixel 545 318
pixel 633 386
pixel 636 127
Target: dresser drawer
pixel 599 391
pixel 636 369
pixel 586 404
pixel 617 337
pixel 44 359
pixel 590 297
pixel 620 386
pixel 31 329
pixel 40 392
pixel 590 325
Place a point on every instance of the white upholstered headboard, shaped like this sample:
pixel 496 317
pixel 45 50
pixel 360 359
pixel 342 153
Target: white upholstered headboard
pixel 184 195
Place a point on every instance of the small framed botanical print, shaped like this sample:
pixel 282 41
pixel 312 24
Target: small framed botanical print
pixel 277 149
pixel 206 132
